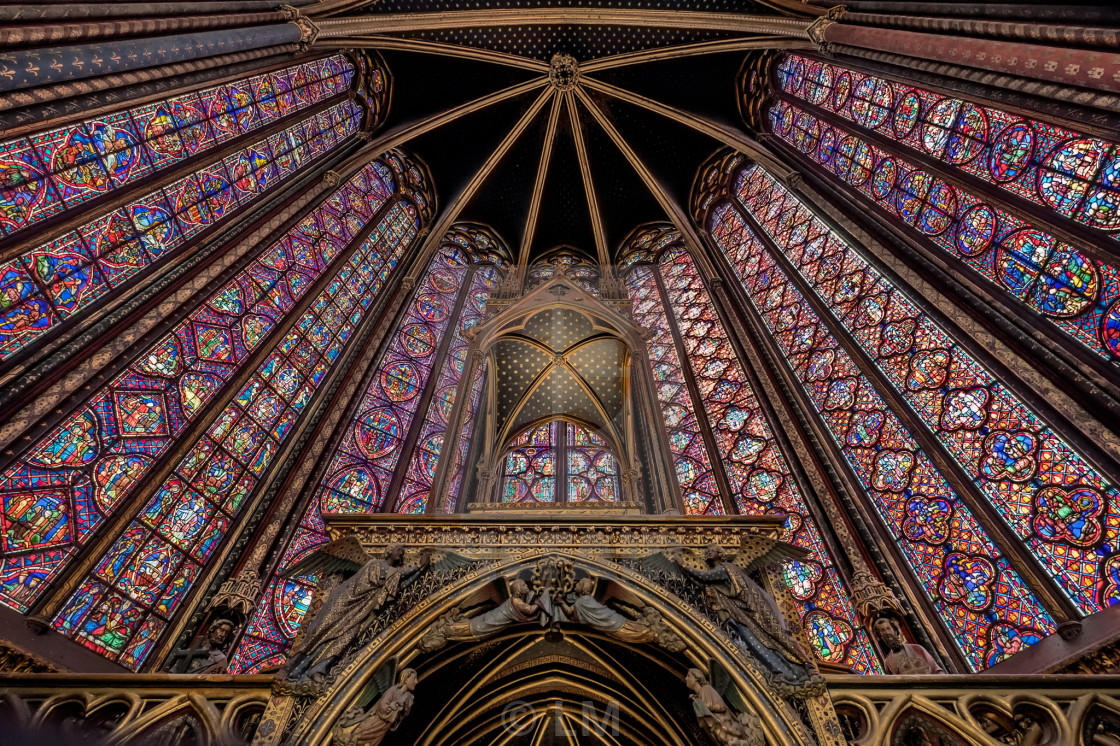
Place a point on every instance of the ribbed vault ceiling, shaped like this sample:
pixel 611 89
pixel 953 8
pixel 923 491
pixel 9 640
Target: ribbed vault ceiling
pixel 546 164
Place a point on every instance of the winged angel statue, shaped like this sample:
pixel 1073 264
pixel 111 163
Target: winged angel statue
pixel 367 585
pixel 360 726
pixel 743 605
pixel 719 706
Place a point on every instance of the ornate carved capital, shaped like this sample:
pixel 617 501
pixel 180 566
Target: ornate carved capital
pixel 308 31
pixel 332 178
pixel 289 12
pixel 816 32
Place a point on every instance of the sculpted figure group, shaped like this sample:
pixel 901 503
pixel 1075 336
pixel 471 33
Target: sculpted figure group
pixel 550 606
pixel 738 601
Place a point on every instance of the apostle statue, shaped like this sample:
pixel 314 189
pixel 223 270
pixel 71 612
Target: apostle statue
pixel 349 608
pixel 649 627
pixel 359 727
pixel 751 612
pixel 725 725
pixel 903 657
pixel 209 656
pixel 520 607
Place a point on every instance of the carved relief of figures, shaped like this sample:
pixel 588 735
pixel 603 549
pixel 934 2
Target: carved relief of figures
pixel 722 712
pixel 752 613
pixel 903 657
pixel 208 657
pixel 649 627
pixel 520 607
pixel 360 727
pixel 350 605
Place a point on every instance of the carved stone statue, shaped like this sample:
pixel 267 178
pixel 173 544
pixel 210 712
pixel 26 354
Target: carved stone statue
pixel 347 611
pixel 358 727
pixel 726 725
pixel 752 612
pixel 903 657
pixel 454 626
pixel 210 656
pixel 586 609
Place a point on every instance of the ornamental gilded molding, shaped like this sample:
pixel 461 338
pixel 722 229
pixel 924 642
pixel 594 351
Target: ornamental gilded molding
pixel 497 535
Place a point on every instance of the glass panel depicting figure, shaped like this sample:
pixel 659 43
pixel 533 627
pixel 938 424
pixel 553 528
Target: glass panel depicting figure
pixel 593 474
pixel 67 276
pixel 1049 494
pixel 155 563
pixel 983 601
pixel 529 469
pixel 1061 286
pixel 1053 167
pixel 68 483
pixel 395 434
pixel 751 460
pixel 560 461
pixel 51 172
pixel 421 470
pixel 693 464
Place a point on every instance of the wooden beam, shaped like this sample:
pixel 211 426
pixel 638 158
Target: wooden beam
pixel 390 23
pixel 601 247
pixel 538 186
pixel 727 135
pixel 743 44
pixel 451 213
pixel 377 41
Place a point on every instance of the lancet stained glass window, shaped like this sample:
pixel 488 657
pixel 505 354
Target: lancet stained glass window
pixel 140 582
pixel 413 388
pixel 1076 293
pixel 66 276
pixel 55 496
pixel 685 319
pixel 1054 167
pixel 1049 494
pixel 49 173
pixel 982 599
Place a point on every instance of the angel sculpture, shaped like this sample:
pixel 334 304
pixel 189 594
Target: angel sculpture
pixel 746 608
pixel 361 727
pixel 649 627
pixel 723 713
pixel 347 611
pixel 518 608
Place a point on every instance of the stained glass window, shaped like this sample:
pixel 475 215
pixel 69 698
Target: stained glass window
pixel 1053 167
pixel 1069 290
pixel 574 265
pixel 68 275
pixel 1044 490
pixel 559 461
pixel 155 563
pixel 529 469
pixel 1050 495
pixel 53 172
pixel 393 441
pixel 69 482
pixel 671 299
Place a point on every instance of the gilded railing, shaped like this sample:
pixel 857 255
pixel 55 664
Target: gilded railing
pixel 110 709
